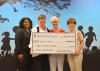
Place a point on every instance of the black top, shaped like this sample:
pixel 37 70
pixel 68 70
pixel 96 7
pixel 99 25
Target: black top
pixel 22 40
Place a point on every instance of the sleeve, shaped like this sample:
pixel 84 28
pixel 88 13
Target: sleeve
pixel 33 30
pixel 30 45
pixel 80 36
pixel 19 41
pixel 63 30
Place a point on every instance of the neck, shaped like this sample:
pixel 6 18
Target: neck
pixel 26 29
pixel 56 28
pixel 42 27
pixel 72 30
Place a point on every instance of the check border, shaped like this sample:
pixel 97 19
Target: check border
pixel 54 33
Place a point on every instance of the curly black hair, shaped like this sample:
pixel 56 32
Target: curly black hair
pixel 5 34
pixel 22 21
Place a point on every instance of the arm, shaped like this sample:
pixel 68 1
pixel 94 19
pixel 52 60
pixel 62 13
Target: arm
pixel 86 34
pixel 30 45
pixel 12 38
pixel 19 41
pixel 81 45
pixel 2 40
pixel 95 36
pixel 33 30
pixel 81 40
pixel 19 45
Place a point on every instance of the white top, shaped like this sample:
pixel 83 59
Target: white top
pixel 79 39
pixel 30 45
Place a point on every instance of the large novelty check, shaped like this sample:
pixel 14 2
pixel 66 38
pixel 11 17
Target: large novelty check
pixel 53 43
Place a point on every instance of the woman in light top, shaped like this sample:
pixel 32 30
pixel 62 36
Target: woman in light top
pixel 56 60
pixel 75 60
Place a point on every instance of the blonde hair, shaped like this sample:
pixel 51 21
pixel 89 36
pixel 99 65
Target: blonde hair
pixel 54 18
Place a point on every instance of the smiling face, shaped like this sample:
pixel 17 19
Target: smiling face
pixel 71 26
pixel 42 22
pixel 54 22
pixel 71 23
pixel 26 24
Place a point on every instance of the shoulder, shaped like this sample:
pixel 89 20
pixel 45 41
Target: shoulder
pixel 79 32
pixel 51 30
pixel 20 31
pixel 62 30
pixel 34 29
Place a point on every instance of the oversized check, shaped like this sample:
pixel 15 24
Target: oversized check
pixel 53 43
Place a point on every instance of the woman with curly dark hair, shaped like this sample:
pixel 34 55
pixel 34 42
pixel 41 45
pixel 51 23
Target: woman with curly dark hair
pixel 22 39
